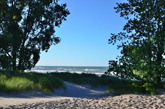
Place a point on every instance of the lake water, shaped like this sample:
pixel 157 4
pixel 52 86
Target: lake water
pixel 72 69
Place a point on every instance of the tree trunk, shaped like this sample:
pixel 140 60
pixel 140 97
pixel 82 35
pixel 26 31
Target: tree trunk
pixel 159 72
pixel 14 59
pixel 159 55
pixel 20 66
pixel 20 62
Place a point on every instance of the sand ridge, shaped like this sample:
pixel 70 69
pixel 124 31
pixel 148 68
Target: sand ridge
pixel 83 97
pixel 129 101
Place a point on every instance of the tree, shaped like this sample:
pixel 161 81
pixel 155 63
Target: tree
pixel 142 54
pixel 27 27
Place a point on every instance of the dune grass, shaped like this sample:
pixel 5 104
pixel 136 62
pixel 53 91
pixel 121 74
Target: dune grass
pixel 114 84
pixel 15 81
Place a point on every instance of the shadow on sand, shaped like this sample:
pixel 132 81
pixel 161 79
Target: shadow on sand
pixel 72 90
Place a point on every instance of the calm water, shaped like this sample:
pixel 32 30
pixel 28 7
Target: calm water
pixel 71 69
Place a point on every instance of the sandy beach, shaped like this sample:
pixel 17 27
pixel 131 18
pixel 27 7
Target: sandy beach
pixel 81 97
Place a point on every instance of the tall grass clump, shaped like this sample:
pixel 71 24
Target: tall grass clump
pixel 16 81
pixel 17 84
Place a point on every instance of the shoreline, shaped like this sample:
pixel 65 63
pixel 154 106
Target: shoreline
pixel 71 69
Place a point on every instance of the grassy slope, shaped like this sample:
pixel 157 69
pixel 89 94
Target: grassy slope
pixel 114 84
pixel 85 78
pixel 19 82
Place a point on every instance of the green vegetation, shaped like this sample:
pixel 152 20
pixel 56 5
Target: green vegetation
pixel 15 81
pixel 114 84
pixel 142 46
pixel 84 78
pixel 27 27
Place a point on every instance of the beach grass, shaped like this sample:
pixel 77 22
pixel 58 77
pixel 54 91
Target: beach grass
pixel 16 81
pixel 115 85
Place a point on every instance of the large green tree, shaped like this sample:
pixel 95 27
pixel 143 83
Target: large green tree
pixel 27 27
pixel 143 42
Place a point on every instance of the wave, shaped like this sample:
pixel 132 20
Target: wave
pixel 73 69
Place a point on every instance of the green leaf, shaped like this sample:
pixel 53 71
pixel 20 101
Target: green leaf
pixel 152 79
pixel 14 17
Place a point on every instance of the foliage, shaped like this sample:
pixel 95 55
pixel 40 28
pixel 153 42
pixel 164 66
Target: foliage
pixel 27 27
pixel 20 82
pixel 91 79
pixel 142 54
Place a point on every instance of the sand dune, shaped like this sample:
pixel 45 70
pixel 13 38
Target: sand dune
pixel 81 97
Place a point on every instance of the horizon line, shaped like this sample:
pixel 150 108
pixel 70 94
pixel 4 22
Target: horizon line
pixel 73 65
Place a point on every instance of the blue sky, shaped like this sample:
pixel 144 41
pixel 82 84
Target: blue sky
pixel 85 33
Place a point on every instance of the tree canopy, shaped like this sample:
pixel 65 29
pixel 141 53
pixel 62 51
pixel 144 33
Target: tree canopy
pixel 142 46
pixel 27 27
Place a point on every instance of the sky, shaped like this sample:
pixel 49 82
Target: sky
pixel 84 35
